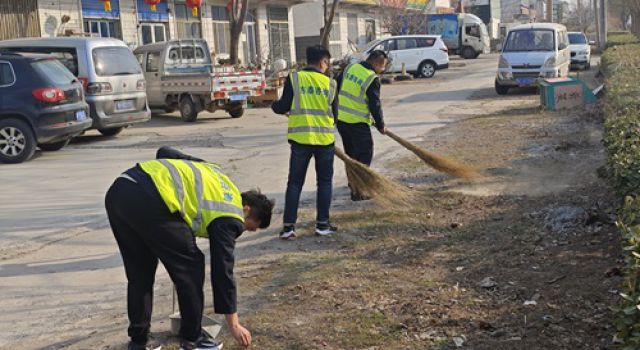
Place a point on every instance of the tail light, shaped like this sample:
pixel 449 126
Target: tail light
pixel 99 88
pixel 49 94
pixel 84 81
pixel 444 49
pixel 141 85
pixel 218 94
pixel 263 84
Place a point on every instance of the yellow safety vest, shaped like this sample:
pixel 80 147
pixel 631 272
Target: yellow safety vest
pixel 196 190
pixel 311 119
pixel 352 100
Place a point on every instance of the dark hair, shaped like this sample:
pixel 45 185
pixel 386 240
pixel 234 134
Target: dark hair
pixel 316 53
pixel 376 55
pixel 261 206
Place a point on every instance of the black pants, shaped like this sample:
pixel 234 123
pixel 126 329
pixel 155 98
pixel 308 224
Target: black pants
pixel 146 231
pixel 357 141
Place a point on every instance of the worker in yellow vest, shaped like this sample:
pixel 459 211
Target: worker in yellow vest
pixel 156 210
pixel 309 99
pixel 359 107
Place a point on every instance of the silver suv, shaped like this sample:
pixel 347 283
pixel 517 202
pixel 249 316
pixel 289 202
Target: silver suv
pixel 112 78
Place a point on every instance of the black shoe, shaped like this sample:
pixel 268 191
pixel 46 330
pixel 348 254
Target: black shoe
pixel 358 197
pixel 325 229
pixel 288 231
pixel 137 346
pixel 203 343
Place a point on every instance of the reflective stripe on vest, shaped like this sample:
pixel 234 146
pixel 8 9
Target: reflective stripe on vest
pixel 311 120
pixel 196 190
pixel 352 100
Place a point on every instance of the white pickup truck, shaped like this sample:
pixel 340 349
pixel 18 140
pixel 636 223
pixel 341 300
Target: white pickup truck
pixel 180 75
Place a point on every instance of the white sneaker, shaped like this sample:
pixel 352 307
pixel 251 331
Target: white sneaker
pixel 325 229
pixel 288 232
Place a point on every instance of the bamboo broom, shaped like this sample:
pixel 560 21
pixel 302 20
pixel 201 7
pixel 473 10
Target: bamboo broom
pixel 435 161
pixel 365 181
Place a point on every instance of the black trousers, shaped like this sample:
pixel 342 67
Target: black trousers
pixel 146 232
pixel 357 141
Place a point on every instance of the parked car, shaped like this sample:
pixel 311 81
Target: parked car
pixel 181 75
pixel 533 52
pixel 113 80
pixel 580 50
pixel 422 55
pixel 41 104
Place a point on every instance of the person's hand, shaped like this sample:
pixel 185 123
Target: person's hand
pixel 383 130
pixel 241 334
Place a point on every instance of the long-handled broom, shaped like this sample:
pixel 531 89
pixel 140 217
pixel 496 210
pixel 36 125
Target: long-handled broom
pixel 435 161
pixel 368 183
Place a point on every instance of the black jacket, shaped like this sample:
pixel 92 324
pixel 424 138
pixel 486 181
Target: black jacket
pixel 223 233
pixel 373 94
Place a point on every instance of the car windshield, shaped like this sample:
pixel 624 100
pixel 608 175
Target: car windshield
pixel 530 40
pixel 117 60
pixel 577 39
pixel 54 72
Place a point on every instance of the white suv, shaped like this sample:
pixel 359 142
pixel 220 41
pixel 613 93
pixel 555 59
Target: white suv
pixel 580 50
pixel 422 55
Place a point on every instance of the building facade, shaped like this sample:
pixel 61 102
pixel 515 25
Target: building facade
pixel 268 31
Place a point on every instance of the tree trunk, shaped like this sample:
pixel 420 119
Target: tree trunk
pixel 239 10
pixel 328 21
pixel 234 44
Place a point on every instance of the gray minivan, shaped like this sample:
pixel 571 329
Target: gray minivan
pixel 112 78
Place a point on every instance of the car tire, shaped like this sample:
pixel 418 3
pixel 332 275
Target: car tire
pixel 236 112
pixel 55 146
pixel 501 89
pixel 111 131
pixel 427 69
pixel 468 53
pixel 169 110
pixel 188 110
pixel 17 141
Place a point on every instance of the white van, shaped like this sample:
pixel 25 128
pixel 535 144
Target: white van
pixel 532 52
pixel 422 55
pixel 112 78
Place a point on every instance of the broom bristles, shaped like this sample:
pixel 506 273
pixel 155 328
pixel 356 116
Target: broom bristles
pixel 437 162
pixel 365 181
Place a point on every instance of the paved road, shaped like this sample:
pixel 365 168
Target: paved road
pixel 60 273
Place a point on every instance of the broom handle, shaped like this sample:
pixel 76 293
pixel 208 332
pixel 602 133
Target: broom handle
pixel 399 139
pixel 340 154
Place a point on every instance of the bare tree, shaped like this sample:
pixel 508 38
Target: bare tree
pixel 634 9
pixel 329 13
pixel 620 11
pixel 580 17
pixel 239 10
pixel 397 21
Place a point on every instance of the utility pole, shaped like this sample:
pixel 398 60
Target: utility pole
pixel 603 24
pixel 597 13
pixel 580 12
pixel 549 11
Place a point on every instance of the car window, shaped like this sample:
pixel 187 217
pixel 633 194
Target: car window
pixel 472 30
pixel 153 62
pixel 386 45
pixel 188 53
pixel 66 56
pixel 577 39
pixel 140 58
pixel 563 40
pixel 54 72
pixel 115 60
pixel 530 40
pixel 425 42
pixel 406 44
pixel 6 74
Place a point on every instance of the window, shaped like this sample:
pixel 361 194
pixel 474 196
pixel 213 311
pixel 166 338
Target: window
pixel 102 28
pixel 279 32
pixel 352 28
pixel 152 33
pixel 334 35
pixel 370 29
pixel 530 40
pixel 116 60
pixel 54 72
pixel 140 58
pixel 406 44
pixel 67 56
pixel 188 26
pixel 473 30
pixel 187 53
pixel 563 40
pixel 577 39
pixel 153 62
pixel 425 42
pixel 221 29
pixel 386 45
pixel 250 43
pixel 7 77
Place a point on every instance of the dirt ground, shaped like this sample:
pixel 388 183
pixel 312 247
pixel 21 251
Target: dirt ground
pixel 526 258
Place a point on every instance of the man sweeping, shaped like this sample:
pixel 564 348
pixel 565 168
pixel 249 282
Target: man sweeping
pixel 308 99
pixel 156 209
pixel 359 107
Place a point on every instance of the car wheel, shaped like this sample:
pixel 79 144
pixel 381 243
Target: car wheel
pixel 169 110
pixel 55 146
pixel 17 142
pixel 188 110
pixel 427 69
pixel 501 89
pixel 236 112
pixel 468 53
pixel 111 131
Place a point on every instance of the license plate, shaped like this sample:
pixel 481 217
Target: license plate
pixel 81 115
pixel 526 81
pixel 239 97
pixel 124 105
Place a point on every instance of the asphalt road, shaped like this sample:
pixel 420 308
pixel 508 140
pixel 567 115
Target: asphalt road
pixel 61 276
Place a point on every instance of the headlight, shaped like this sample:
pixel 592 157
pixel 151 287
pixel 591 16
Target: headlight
pixel 550 63
pixel 503 63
